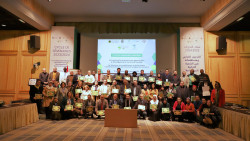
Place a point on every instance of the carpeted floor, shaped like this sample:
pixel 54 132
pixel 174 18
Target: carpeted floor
pixel 88 130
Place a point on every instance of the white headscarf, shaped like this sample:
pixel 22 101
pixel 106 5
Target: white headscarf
pixel 154 102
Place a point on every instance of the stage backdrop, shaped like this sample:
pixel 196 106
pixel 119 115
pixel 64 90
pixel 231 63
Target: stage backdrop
pixel 192 49
pixel 166 48
pixel 62 47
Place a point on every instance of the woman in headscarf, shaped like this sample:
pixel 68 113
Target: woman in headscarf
pixel 218 95
pixel 212 118
pixel 154 109
pixel 164 115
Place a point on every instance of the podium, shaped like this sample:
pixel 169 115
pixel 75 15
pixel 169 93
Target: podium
pixel 121 118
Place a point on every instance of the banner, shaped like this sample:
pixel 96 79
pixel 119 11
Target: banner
pixel 62 47
pixel 192 49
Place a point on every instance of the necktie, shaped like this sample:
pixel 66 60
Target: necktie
pixel 125 87
pixel 99 76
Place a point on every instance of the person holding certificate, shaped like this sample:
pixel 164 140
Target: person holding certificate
pixel 85 92
pixel 79 74
pixel 145 91
pixel 185 79
pixel 189 112
pixel 36 94
pixel 171 92
pixel 67 106
pixel 135 91
pixel 142 106
pixel 99 77
pixel 165 111
pixel 118 76
pixel 115 89
pixel 127 76
pixel 193 92
pixel 142 78
pixel 154 109
pixel 89 107
pixel 55 109
pixel 79 87
pixel 151 78
pixel 153 91
pixel 78 107
pixel 101 105
pixel 48 95
pixel 128 103
pixel 178 108
pixel 104 89
pixel 162 94
pixel 62 92
pixel 108 77
pixel 89 79
pixel 193 79
pixel 115 101
pixel 158 81
pixel 95 91
pixel 182 91
pixel 211 116
pixel 125 89
pixel 167 77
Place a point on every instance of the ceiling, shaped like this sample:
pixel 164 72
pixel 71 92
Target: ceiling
pixel 12 22
pixel 242 25
pixel 134 8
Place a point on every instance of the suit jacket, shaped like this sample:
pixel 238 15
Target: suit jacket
pixel 64 102
pixel 141 102
pixel 138 90
pixel 68 79
pixel 126 104
pixel 85 103
pixel 118 102
pixel 176 79
pixel 98 105
pixel 185 79
pixel 51 76
pixel 108 77
pixel 101 77
pixel 169 77
pixel 122 88
pixel 182 93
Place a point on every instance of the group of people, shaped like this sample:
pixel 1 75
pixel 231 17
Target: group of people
pixel 165 96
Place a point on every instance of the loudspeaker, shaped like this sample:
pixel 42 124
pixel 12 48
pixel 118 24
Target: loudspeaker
pixel 35 42
pixel 221 45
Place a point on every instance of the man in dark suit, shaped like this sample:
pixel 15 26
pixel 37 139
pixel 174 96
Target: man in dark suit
pixel 116 101
pixel 182 91
pixel 118 76
pixel 128 102
pixel 123 87
pixel 167 76
pixel 101 104
pixel 54 76
pixel 136 90
pixel 141 112
pixel 89 103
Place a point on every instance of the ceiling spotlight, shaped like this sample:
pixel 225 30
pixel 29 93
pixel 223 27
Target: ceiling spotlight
pixel 241 18
pixel 22 21
pixel 144 0
pixel 3 25
pixel 49 0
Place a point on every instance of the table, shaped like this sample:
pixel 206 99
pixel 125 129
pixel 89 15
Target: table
pixel 235 123
pixel 16 116
pixel 122 118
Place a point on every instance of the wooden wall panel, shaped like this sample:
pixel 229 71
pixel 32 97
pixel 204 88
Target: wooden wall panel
pixel 232 69
pixel 17 59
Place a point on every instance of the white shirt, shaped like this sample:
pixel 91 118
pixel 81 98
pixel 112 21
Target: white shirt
pixel 154 102
pixel 91 77
pixel 85 94
pixel 104 89
pixel 63 77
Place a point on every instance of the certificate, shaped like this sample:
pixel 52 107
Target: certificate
pixel 192 78
pixel 158 82
pixel 177 112
pixel 32 82
pixel 167 83
pixel 192 98
pixel 100 112
pixel 89 80
pixel 69 107
pixel 56 108
pixel 127 78
pixel 115 106
pixel 134 78
pixel 127 91
pixel 79 91
pixel 146 97
pixel 78 105
pixel 89 109
pixel 94 93
pixel 165 110
pixel 38 96
pixel 142 78
pixel 127 107
pixel 206 111
pixel 50 93
pixel 161 94
pixel 169 95
pixel 141 107
pixel 153 106
pixel 109 80
pixel 118 77
pixel 115 91
pixel 151 79
pixel 105 95
pixel 135 98
pixel 81 78
pixel 205 91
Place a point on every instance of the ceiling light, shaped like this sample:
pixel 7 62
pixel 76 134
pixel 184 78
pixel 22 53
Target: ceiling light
pixel 126 0
pixel 49 0
pixel 21 20
pixel 3 25
pixel 241 18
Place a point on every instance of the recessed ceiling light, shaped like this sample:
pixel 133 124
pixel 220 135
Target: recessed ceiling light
pixel 126 0
pixel 21 20
pixel 49 0
pixel 241 18
pixel 3 25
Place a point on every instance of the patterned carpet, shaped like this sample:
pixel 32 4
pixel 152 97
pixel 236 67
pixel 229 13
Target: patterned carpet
pixel 94 130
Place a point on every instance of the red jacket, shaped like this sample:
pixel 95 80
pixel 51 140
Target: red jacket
pixel 190 107
pixel 221 97
pixel 182 106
